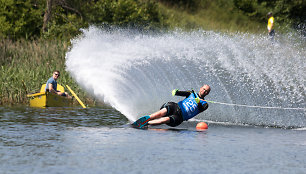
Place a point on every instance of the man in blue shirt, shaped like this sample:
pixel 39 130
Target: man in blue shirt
pixel 173 114
pixel 51 85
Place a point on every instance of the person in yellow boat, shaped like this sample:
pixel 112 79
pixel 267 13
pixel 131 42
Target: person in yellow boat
pixel 51 85
pixel 270 25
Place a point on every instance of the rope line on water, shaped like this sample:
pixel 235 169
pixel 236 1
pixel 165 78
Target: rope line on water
pixel 249 106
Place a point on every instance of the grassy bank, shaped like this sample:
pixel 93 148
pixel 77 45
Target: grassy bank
pixel 225 16
pixel 32 62
pixel 211 17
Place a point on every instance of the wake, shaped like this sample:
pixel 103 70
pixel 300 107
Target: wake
pixel 135 72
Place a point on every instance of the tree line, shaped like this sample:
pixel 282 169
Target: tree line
pixel 64 18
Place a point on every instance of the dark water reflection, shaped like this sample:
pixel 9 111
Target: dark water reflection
pixel 62 116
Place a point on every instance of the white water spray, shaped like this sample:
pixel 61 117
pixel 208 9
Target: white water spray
pixel 135 73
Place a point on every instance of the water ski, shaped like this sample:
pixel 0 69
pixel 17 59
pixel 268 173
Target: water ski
pixel 141 122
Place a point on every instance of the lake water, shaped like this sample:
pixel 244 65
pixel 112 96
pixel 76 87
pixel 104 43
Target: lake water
pixel 100 140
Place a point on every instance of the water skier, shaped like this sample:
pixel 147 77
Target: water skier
pixel 173 114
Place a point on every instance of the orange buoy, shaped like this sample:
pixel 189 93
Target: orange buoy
pixel 201 126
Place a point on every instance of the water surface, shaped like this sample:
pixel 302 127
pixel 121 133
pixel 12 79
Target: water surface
pixel 100 140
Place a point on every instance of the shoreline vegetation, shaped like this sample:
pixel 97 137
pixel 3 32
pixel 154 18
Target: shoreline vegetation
pixel 35 36
pixel 28 64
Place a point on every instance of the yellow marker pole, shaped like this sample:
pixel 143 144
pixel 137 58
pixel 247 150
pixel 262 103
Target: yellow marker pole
pixel 81 103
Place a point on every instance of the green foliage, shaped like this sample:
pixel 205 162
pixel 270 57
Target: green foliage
pixel 24 18
pixel 235 15
pixel 190 5
pixel 125 13
pixel 64 25
pixel 292 12
pixel 218 15
pixel 20 18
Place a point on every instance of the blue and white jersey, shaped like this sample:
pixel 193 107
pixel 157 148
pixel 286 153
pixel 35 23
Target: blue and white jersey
pixel 189 106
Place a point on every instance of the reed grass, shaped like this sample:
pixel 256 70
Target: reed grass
pixel 33 63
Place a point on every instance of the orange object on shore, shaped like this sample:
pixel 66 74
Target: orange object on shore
pixel 201 126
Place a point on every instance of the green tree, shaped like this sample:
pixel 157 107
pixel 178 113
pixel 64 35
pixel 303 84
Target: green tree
pixel 125 13
pixel 20 18
pixel 292 12
pixel 64 18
